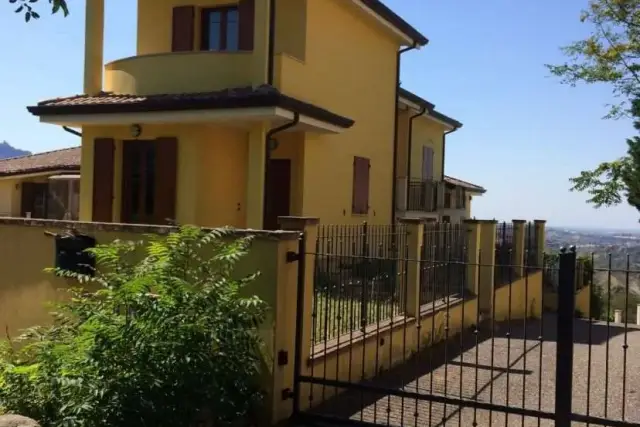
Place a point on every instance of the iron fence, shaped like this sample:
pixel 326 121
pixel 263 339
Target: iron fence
pixel 444 257
pixel 504 271
pixel 359 275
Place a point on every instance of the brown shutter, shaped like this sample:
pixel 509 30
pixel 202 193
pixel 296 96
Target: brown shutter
pixel 183 28
pixel 360 204
pixel 166 179
pixel 103 165
pixel 246 17
pixel 28 198
pixel 427 163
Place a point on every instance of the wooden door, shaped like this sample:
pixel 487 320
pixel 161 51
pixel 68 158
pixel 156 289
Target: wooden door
pixel 278 192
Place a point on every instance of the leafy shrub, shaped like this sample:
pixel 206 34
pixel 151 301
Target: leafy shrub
pixel 159 342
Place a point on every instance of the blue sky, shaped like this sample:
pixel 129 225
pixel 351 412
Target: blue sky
pixel 524 134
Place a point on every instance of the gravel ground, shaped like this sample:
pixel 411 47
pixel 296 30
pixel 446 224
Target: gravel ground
pixel 514 379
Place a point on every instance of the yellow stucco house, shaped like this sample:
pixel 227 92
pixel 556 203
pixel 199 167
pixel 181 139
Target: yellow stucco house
pixel 235 112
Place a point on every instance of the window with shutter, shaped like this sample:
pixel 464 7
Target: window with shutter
pixel 183 28
pixel 427 163
pixel 361 177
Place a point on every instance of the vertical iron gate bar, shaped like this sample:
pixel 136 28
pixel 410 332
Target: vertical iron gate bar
pixel 297 363
pixel 564 328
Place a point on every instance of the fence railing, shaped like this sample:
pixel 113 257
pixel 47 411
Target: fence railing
pixel 359 271
pixel 505 270
pixel 444 257
pixel 425 196
pixel 531 245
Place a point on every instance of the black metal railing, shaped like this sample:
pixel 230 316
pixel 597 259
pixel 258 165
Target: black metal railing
pixel 505 270
pixel 425 195
pixel 359 275
pixel 444 257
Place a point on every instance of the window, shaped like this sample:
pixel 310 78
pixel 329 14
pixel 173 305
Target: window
pixel 220 29
pixel 361 173
pixel 446 218
pixel 447 198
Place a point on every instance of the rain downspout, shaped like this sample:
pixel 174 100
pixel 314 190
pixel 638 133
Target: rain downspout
pixel 268 148
pixel 444 147
pixel 394 189
pixel 72 131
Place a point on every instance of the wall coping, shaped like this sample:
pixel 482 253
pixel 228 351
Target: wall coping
pixel 92 227
pixel 519 221
pixel 539 221
pixel 481 221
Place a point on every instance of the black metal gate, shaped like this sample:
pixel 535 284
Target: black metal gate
pixel 483 372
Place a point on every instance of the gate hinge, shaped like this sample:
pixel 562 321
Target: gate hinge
pixel 293 256
pixel 283 358
pixel 287 394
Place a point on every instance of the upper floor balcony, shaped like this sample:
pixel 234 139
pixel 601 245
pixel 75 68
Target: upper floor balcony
pixel 179 72
pixel 428 196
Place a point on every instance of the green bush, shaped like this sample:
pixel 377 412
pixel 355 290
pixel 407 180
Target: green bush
pixel 163 341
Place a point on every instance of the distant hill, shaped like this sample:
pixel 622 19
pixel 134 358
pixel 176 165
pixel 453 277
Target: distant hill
pixel 6 151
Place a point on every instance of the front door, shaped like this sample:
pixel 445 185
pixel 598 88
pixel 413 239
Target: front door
pixel 148 181
pixel 278 192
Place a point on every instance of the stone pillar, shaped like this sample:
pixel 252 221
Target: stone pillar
pixel 487 265
pixel 637 312
pixel 284 312
pixel 518 254
pixel 308 226
pixel 617 316
pixel 93 46
pixel 415 228
pixel 473 254
pixel 539 226
pixel 255 177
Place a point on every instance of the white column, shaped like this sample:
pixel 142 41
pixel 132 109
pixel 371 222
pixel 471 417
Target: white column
pixel 617 316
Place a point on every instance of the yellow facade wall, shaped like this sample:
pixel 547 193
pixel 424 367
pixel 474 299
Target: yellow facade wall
pixel 212 172
pixel 345 84
pixel 427 133
pixel 10 197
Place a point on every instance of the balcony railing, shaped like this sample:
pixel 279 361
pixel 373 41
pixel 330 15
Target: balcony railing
pixel 420 195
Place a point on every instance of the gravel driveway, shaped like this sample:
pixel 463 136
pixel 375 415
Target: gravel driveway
pixel 514 377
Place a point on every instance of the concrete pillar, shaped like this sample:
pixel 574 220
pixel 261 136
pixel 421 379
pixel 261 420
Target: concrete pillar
pixel 260 53
pixel 637 312
pixel 617 316
pixel 93 46
pixel 539 226
pixel 473 254
pixel 308 226
pixel 487 265
pixel 415 228
pixel 256 157
pixel 518 254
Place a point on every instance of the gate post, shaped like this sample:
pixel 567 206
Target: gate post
pixel 564 336
pixel 303 301
pixel 415 228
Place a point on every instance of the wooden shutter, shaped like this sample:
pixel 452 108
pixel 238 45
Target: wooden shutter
pixel 166 179
pixel 361 172
pixel 246 18
pixel 427 163
pixel 28 198
pixel 183 28
pixel 103 164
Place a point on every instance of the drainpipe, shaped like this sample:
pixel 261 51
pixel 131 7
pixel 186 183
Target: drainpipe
pixel 272 41
pixel 394 190
pixel 268 139
pixel 72 131
pixel 410 145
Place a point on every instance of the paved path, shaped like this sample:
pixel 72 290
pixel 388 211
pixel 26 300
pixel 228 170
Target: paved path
pixel 514 378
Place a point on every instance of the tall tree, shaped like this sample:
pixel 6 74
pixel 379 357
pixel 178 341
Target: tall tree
pixel 27 8
pixel 611 55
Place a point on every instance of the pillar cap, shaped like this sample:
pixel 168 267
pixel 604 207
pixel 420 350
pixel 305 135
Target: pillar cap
pixel 539 221
pixel 298 221
pixel 519 221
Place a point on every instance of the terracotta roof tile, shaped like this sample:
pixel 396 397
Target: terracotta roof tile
pixel 241 97
pixel 460 183
pixel 65 159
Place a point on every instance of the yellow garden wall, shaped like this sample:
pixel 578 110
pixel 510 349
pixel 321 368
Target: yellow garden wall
pixel 583 300
pixel 530 287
